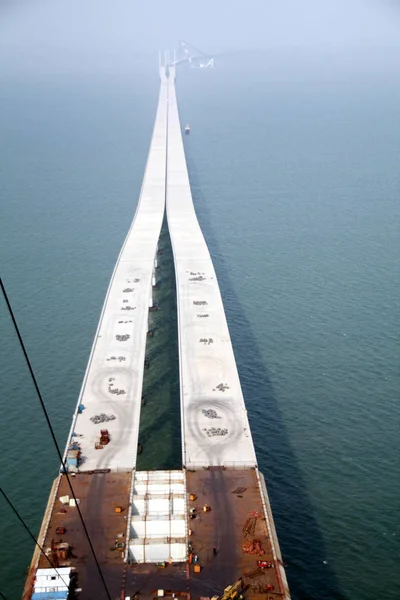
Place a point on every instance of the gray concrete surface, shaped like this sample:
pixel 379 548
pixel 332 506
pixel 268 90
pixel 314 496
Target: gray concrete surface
pixel 215 427
pixel 114 375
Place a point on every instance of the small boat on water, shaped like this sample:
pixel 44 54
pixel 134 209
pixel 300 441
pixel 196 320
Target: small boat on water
pixel 187 129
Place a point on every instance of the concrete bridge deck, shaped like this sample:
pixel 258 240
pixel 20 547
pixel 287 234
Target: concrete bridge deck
pixel 137 512
pixel 114 375
pixel 215 428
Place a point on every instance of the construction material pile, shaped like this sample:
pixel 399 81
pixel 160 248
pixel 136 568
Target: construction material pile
pixel 253 547
pixel 222 387
pixel 210 413
pixel 212 431
pixel 102 418
pixel 122 338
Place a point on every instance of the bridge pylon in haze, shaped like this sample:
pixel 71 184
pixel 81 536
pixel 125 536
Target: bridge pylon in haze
pixel 195 58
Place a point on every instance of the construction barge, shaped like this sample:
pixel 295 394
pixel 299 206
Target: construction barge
pixel 205 531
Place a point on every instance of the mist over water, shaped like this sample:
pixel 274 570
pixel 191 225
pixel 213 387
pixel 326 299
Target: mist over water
pixel 294 165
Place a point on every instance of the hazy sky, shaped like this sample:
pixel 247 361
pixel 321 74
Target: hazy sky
pixel 85 34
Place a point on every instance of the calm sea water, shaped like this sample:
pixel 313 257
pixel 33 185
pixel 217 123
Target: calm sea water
pixel 296 184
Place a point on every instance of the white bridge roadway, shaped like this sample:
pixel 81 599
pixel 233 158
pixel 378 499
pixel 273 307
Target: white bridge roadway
pixel 215 428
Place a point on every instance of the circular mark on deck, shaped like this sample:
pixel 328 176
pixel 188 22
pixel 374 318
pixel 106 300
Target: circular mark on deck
pixel 197 423
pixel 118 378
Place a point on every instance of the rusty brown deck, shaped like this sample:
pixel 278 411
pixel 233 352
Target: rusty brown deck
pixel 99 495
pixel 234 498
pixel 221 527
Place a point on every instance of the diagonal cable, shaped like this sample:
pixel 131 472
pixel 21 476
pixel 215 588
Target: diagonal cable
pixel 52 434
pixel 21 520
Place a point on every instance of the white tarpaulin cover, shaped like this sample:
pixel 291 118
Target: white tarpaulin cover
pixel 158 522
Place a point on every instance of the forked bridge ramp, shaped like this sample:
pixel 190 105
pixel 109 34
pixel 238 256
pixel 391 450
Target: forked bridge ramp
pixel 219 461
pixel 215 428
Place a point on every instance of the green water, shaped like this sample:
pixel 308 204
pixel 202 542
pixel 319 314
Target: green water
pixel 160 423
pixel 296 184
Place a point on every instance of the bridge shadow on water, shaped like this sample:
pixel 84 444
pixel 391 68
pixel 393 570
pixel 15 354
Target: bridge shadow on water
pixel 160 423
pixel 301 541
